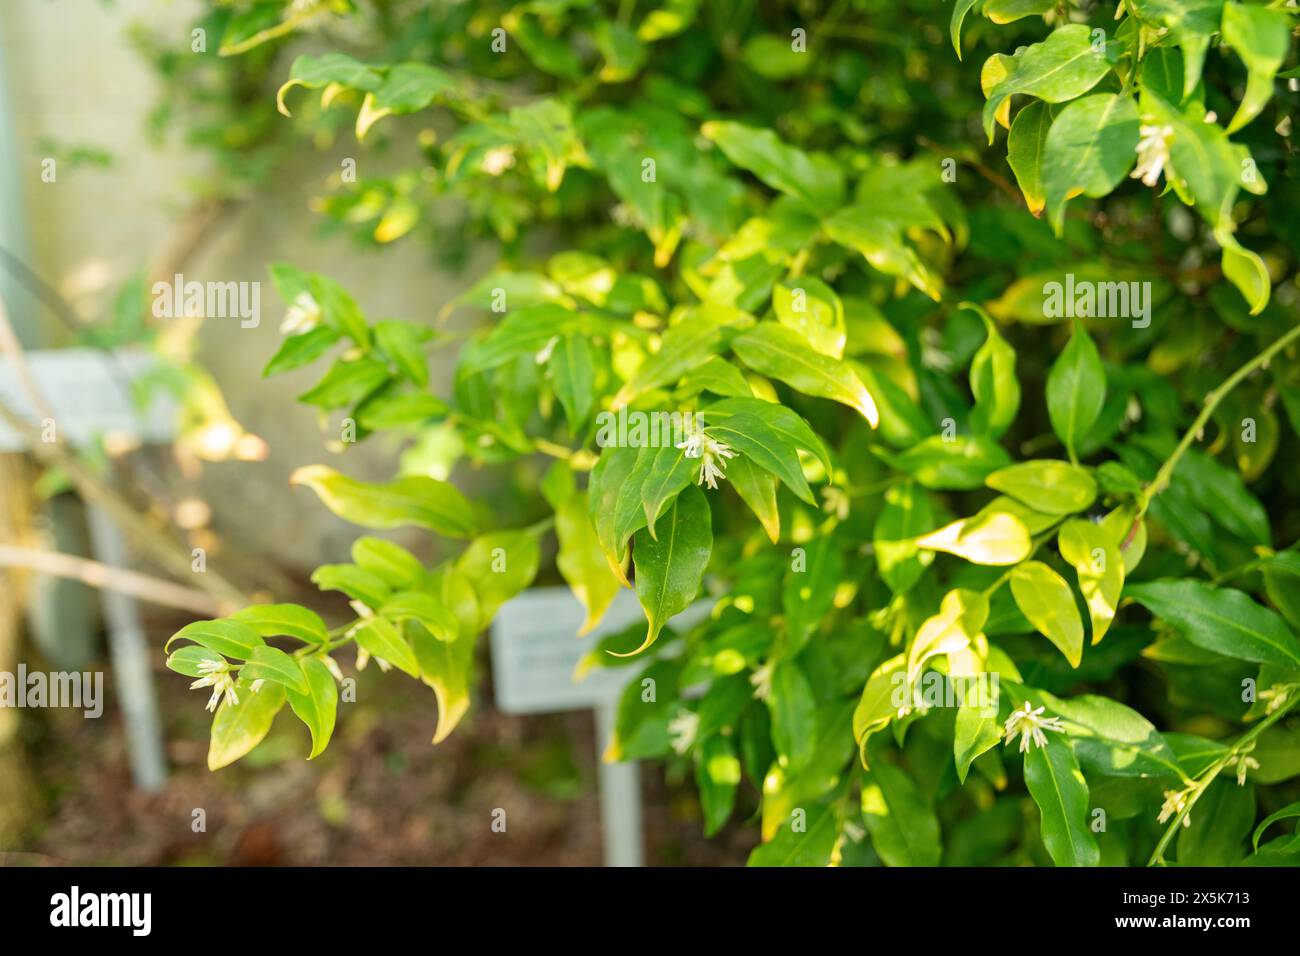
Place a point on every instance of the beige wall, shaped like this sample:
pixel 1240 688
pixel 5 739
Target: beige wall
pixel 73 77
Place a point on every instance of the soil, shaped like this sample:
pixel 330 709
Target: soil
pixel 380 795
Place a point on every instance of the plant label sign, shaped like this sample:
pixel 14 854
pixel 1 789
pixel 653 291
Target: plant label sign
pixel 535 653
pixel 90 394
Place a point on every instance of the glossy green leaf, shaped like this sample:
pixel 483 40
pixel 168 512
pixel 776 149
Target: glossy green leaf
pixel 1090 148
pixel 1047 601
pixel 781 353
pixel 238 728
pixel 413 500
pixel 670 569
pixel 1076 390
pixel 1052 487
pixel 1062 67
pixel 318 707
pixel 1055 782
pixel 1222 620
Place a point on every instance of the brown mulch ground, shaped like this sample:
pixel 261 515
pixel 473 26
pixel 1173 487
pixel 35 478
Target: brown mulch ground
pixel 381 794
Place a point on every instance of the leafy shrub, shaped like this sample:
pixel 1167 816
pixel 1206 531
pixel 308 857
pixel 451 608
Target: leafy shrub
pixel 955 461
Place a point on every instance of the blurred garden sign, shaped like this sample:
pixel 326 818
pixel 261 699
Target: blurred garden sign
pixel 89 392
pixel 535 656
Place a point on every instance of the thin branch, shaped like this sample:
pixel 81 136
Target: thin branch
pixel 1212 401
pixel 99 575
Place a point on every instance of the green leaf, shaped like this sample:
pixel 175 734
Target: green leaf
pixel 960 618
pixel 1261 37
pixel 357 583
pixel 272 664
pixel 339 310
pixel 959 11
pixel 717 776
pixel 524 331
pixel 1282 584
pixel 413 500
pixel 346 383
pixel 238 728
pixel 318 707
pixel 993 382
pixel 228 638
pixel 991 538
pixel 1008 11
pixel 313 72
pixel 808 595
pixel 977 729
pixel 1094 553
pixel 499 565
pixel 1054 781
pixel 661 474
pixel 1220 823
pixel 906 513
pixel 422 607
pixel 1026 142
pixel 1047 601
pixel 447 666
pixel 770 435
pixel 878 704
pixel 1090 148
pixel 394 564
pixel 956 464
pixel 1053 487
pixel 1222 620
pixel 573 372
pixel 302 349
pixel 1244 269
pixel 786 169
pixel 1289 812
pixel 810 307
pixel 757 488
pixel 1062 67
pixel 779 352
pixel 794 715
pixel 1112 739
pixel 1191 22
pixel 879 240
pixel 289 619
pixel 690 343
pixel 186 660
pixel 807 839
pixel 669 569
pixel 410 87
pixel 581 561
pixel 904 829
pixel 403 344
pixel 380 638
pixel 1076 390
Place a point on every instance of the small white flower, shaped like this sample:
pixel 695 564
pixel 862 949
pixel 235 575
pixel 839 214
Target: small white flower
pixel 544 355
pixel 332 666
pixel 217 675
pixel 1027 721
pixel 1175 801
pixel 256 685
pixel 836 502
pixel 1276 697
pixel 682 730
pixel 1153 152
pixel 1244 765
pixel 761 680
pixel 303 315
pixel 712 453
pixel 497 160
